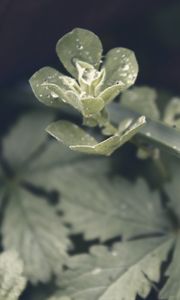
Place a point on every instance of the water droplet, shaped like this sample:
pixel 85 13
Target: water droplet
pixel 114 253
pixel 40 95
pixel 54 95
pixel 148 133
pixel 123 74
pixel 126 68
pixel 80 47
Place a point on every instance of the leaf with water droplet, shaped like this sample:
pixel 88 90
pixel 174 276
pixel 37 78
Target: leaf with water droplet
pixel 77 139
pixel 52 88
pixel 80 44
pixel 121 68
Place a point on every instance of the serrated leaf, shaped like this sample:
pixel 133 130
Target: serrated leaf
pixel 121 68
pixel 80 44
pixel 105 209
pixel 12 280
pixel 102 208
pixel 77 139
pixel 141 100
pixel 120 274
pixel 171 289
pixel 39 236
pixel 34 169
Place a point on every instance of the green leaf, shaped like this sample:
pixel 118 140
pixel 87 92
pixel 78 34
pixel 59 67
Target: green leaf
pixel 77 139
pixel 52 88
pixel 121 68
pixel 30 225
pixel 91 106
pixel 171 290
pixel 70 134
pixel 109 93
pixel 141 100
pixel 12 280
pixel 104 208
pixel 172 113
pixel 79 44
pixel 32 228
pixel 25 138
pixel 123 273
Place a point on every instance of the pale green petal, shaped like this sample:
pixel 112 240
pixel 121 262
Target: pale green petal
pixel 77 139
pixel 142 100
pixel 121 68
pixel 79 44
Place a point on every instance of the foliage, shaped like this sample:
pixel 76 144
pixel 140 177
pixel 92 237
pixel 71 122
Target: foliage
pixel 95 85
pixel 50 196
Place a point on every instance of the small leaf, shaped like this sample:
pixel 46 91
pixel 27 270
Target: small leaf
pixel 32 228
pixel 91 106
pixel 12 281
pixel 121 68
pixel 77 139
pixel 141 100
pixel 70 134
pixel 52 88
pixel 79 44
pixel 120 274
pixel 109 93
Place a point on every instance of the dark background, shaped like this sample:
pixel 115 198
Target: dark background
pixel 29 30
